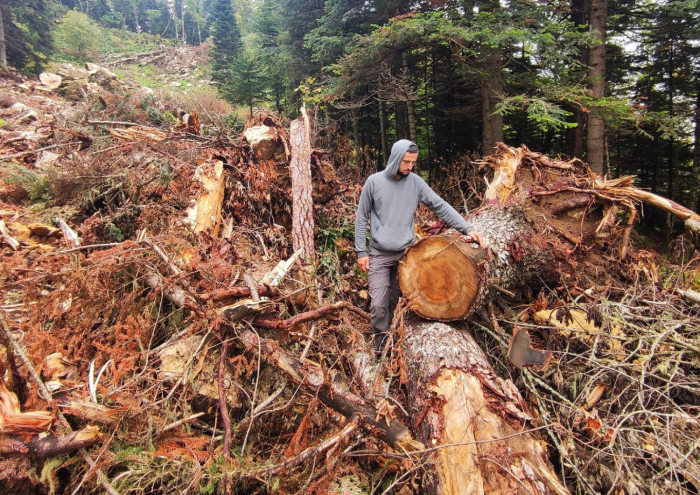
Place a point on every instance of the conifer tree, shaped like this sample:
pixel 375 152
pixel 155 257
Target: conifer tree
pixel 26 32
pixel 246 81
pixel 227 39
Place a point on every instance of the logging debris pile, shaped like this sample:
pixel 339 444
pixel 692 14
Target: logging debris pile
pixel 150 347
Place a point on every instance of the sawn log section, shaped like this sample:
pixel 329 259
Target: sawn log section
pixel 480 421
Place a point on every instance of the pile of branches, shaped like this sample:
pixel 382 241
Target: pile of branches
pixel 622 386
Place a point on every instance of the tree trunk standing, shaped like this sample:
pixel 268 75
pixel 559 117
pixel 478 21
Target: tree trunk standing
pixel 356 136
pixel 412 135
pixel 671 113
pixel 136 20
pixel 671 172
pixel 695 181
pixel 408 92
pixel 491 89
pixel 457 399
pixel 574 135
pixel 173 14
pixel 426 81
pixel 596 127
pixel 486 134
pixel 401 125
pixel 495 92
pixel 302 202
pixel 182 17
pixel 3 47
pixel 382 133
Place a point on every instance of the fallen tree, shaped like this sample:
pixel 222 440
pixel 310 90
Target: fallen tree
pixel 543 218
pixel 477 421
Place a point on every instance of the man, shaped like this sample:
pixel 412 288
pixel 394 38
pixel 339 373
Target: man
pixel 390 199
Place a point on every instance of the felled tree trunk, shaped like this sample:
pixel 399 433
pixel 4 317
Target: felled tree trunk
pixel 300 170
pixel 446 278
pixel 543 218
pixel 479 420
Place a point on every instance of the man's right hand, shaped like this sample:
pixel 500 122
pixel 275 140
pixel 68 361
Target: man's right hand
pixel 363 263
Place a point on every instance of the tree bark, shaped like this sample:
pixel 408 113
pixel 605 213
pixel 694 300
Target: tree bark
pixel 182 16
pixel 458 402
pixel 491 89
pixel 695 184
pixel 401 125
pixel 302 202
pixel 446 279
pixel 356 136
pixel 3 46
pixel 382 132
pixel 408 92
pixel 496 89
pixel 595 138
pixel 574 135
pixel 486 135
pixel 44 447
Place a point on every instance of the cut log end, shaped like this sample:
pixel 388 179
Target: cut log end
pixel 440 277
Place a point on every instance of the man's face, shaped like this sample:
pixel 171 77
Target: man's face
pixel 407 163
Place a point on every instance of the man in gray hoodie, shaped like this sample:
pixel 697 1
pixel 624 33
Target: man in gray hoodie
pixel 389 199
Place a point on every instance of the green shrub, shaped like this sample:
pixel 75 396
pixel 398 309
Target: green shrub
pixel 77 35
pixel 40 190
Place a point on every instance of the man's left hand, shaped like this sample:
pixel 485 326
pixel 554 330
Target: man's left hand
pixel 477 237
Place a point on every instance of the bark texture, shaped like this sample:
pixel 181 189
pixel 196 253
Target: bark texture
pixel 3 46
pixel 491 89
pixel 300 170
pixel 695 189
pixel 43 447
pixel 460 403
pixel 595 138
pixel 446 278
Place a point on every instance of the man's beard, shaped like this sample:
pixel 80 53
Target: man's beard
pixel 404 174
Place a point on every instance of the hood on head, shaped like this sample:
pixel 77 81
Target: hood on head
pixel 398 150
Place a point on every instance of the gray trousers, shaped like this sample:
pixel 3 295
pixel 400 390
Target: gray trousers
pixel 384 290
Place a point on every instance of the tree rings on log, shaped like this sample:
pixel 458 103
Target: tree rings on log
pixel 441 277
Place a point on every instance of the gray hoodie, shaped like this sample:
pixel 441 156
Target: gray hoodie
pixel 390 204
